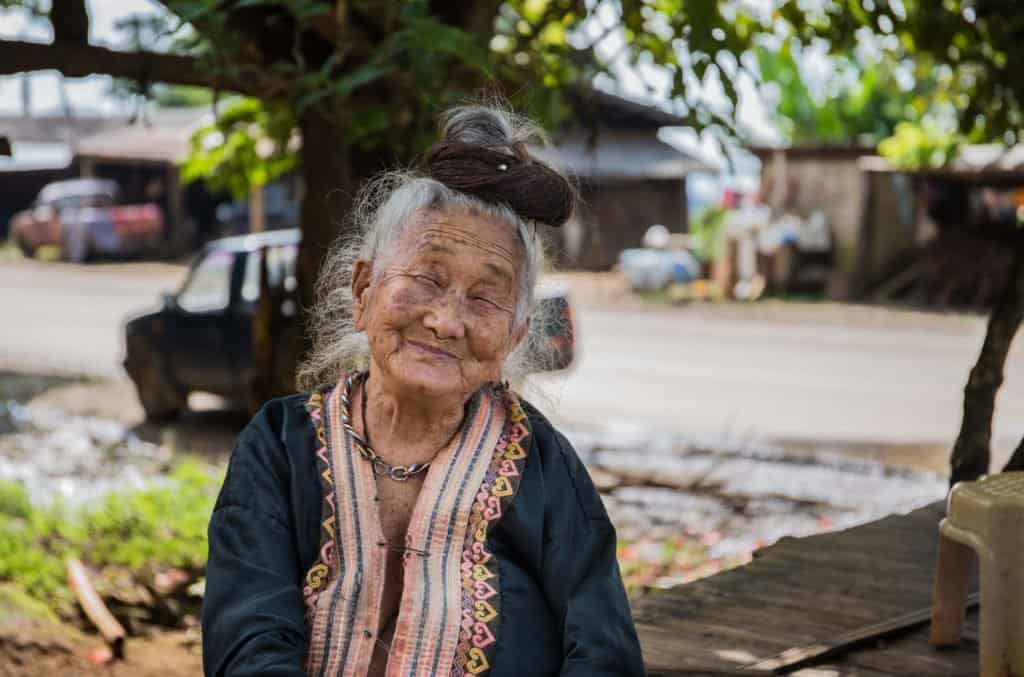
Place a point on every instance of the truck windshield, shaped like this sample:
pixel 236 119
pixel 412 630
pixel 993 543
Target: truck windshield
pixel 208 287
pixel 280 271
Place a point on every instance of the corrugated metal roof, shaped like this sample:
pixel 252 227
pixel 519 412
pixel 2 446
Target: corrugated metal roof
pixel 593 107
pixel 617 153
pixel 823 150
pixel 984 157
pixel 164 137
pixel 52 128
pixel 27 157
pixel 977 163
pixel 620 154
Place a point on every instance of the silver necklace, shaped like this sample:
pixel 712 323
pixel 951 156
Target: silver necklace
pixel 381 468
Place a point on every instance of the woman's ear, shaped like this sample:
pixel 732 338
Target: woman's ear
pixel 362 274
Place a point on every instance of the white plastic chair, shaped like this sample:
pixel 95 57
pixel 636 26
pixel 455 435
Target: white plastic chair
pixel 986 517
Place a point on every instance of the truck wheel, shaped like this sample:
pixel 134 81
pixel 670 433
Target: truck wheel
pixel 76 245
pixel 162 401
pixel 27 250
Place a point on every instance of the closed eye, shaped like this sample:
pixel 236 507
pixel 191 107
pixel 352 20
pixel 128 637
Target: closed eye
pixel 427 280
pixel 491 304
pixel 485 300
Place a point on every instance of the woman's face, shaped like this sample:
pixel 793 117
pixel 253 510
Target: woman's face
pixel 439 309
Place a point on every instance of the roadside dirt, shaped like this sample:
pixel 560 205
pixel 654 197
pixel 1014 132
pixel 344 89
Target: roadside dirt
pixel 610 290
pixel 34 644
pixel 46 651
pixel 206 430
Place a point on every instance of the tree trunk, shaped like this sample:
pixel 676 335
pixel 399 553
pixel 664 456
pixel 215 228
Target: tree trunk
pixel 330 182
pixel 332 174
pixel 70 22
pixel 971 452
pixel 1016 462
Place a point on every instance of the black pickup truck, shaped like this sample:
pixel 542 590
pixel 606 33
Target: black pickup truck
pixel 201 339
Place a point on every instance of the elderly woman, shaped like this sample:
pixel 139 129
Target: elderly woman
pixel 414 516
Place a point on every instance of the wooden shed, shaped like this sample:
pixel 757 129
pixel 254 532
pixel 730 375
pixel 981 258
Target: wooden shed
pixel 629 179
pixel 944 240
pixel 805 179
pixel 892 227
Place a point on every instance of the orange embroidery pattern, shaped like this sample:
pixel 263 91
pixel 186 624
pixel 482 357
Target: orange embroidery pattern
pixel 480 586
pixel 320 573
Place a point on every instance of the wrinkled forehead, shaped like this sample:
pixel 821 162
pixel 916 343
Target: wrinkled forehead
pixel 462 234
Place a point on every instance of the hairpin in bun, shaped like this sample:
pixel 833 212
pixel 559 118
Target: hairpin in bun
pixel 530 188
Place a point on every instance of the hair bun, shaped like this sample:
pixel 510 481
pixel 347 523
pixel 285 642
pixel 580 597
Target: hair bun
pixel 528 187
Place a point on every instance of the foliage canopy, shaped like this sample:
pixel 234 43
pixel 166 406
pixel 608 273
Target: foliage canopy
pixel 248 145
pixel 860 100
pixel 969 47
pixel 382 70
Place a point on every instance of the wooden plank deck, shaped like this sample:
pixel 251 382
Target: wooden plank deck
pixel 809 591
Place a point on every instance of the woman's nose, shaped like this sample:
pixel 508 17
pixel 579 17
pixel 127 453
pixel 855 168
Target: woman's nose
pixel 445 319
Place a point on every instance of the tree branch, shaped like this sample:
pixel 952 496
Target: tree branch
pixel 81 60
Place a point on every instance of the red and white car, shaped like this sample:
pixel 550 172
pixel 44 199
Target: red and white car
pixel 83 217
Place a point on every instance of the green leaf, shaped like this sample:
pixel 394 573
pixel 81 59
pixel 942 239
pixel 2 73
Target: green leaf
pixel 363 75
pixel 426 36
pixel 193 11
pixel 225 155
pixel 313 10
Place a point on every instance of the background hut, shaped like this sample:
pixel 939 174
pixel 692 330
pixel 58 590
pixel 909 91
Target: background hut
pixel 629 178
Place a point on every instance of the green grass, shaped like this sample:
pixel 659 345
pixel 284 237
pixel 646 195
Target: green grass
pixel 17 606
pixel 138 532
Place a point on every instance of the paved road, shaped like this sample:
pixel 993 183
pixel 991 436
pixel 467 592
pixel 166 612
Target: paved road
pixel 891 382
pixel 68 318
pixel 856 379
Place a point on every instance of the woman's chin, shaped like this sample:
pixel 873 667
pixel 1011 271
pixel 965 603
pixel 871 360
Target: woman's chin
pixel 433 379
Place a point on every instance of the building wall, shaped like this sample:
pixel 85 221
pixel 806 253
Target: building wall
pixel 832 183
pixel 891 226
pixel 614 215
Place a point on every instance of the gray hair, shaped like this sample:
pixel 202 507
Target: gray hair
pixel 382 212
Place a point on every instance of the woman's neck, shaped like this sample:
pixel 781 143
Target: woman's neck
pixel 408 430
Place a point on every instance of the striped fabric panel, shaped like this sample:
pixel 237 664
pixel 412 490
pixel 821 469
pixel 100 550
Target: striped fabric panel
pixel 345 603
pixel 427 632
pixel 351 606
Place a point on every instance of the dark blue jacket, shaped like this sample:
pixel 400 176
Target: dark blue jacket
pixel 563 607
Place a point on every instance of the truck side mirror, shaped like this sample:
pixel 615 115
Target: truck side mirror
pixel 556 340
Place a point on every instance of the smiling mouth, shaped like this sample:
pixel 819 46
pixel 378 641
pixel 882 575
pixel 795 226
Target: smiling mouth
pixel 433 350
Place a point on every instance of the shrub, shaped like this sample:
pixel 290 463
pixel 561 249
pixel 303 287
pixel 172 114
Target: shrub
pixel 142 531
